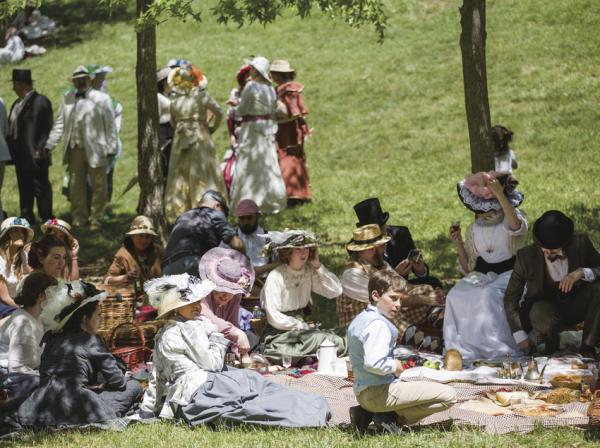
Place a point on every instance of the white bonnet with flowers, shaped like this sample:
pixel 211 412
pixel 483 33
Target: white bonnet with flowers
pixel 170 292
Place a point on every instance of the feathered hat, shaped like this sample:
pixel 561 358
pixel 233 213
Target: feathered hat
pixel 170 292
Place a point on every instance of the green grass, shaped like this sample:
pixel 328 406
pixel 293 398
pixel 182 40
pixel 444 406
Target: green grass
pixel 389 121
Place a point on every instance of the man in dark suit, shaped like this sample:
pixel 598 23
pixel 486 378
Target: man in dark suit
pixel 29 124
pixel 400 245
pixel 560 272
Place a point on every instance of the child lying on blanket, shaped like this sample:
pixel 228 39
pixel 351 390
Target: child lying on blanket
pixel 371 340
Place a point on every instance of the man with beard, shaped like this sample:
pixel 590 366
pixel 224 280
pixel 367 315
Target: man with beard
pixel 254 237
pixel 366 252
pixel 559 273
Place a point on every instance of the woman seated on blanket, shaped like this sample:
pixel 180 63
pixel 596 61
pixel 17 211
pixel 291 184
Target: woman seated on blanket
pixel 20 338
pixel 62 229
pixel 475 323
pixel 287 297
pixel 81 382
pixel 187 378
pixel 233 276
pixel 15 235
pixel 138 260
pixel 51 255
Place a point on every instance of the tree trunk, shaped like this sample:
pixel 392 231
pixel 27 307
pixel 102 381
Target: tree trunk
pixel 150 173
pixel 472 46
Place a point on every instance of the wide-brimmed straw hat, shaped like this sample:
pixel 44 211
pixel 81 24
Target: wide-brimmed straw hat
pixel 366 237
pixel 261 65
pixel 16 222
pixel 185 78
pixel 553 230
pixel 141 225
pixel 230 270
pixel 171 292
pixel 58 224
pixel 289 239
pixel 281 66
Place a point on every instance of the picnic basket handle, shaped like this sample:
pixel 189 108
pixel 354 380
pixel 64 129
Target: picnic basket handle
pixel 113 334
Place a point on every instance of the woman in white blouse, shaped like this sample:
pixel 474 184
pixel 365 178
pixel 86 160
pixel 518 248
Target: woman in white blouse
pixel 475 322
pixel 287 296
pixel 20 337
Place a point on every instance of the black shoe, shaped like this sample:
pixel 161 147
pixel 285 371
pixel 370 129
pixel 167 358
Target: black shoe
pixel 390 423
pixel 587 351
pixel 360 418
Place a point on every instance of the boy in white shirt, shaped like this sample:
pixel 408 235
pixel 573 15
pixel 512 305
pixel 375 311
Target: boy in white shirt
pixel 371 341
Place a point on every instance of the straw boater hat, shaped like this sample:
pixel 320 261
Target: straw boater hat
pixel 261 65
pixel 553 230
pixel 230 270
pixel 141 225
pixel 185 78
pixel 80 72
pixel 58 224
pixel 171 292
pixel 16 222
pixel 64 295
pixel 281 66
pixel 367 237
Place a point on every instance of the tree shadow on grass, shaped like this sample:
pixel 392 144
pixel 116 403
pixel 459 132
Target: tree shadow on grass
pixel 587 220
pixel 78 19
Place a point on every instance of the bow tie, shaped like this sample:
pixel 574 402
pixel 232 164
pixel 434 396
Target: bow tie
pixel 80 95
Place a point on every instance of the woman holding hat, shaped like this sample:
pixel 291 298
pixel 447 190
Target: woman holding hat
pixel 292 130
pixel 15 235
pixel 287 296
pixel 62 229
pixel 257 174
pixel 138 259
pixel 20 337
pixel 81 382
pixel 193 166
pixel 233 276
pixel 188 377
pixel 475 323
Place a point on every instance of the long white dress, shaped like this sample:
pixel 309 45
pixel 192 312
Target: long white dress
pixel 257 175
pixel 475 322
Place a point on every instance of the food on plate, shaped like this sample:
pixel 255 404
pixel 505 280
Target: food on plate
pixel 562 395
pixel 541 410
pixel 432 364
pixel 504 398
pixel 570 380
pixel 453 360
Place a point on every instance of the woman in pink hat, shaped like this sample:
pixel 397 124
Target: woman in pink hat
pixel 232 273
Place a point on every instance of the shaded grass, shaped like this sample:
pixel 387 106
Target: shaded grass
pixel 388 121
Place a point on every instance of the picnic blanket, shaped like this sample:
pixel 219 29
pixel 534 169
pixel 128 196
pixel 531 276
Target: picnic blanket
pixel 340 397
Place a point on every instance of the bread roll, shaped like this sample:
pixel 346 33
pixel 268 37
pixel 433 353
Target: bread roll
pixel 453 360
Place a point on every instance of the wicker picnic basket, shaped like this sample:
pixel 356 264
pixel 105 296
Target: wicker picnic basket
pixel 133 355
pixel 594 409
pixel 116 309
pixel 129 335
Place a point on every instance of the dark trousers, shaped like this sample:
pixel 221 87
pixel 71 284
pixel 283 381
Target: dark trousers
pixel 563 311
pixel 34 183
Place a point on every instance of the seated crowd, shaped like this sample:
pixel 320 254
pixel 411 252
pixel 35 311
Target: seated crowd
pixel 55 370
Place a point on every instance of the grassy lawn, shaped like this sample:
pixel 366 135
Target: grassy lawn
pixel 389 121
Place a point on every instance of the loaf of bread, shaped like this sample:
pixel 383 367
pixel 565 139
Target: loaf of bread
pixel 453 360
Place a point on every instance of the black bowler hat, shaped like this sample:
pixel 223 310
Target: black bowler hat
pixel 369 212
pixel 553 230
pixel 21 75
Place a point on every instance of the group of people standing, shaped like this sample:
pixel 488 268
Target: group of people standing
pixel 266 161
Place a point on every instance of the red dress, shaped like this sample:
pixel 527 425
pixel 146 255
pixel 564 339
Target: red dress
pixel 291 132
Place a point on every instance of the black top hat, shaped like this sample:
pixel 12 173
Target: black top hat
pixel 21 75
pixel 553 230
pixel 369 212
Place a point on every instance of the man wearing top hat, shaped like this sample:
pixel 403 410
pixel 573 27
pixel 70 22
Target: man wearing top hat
pixel 401 248
pixel 87 122
pixel 29 124
pixel 559 274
